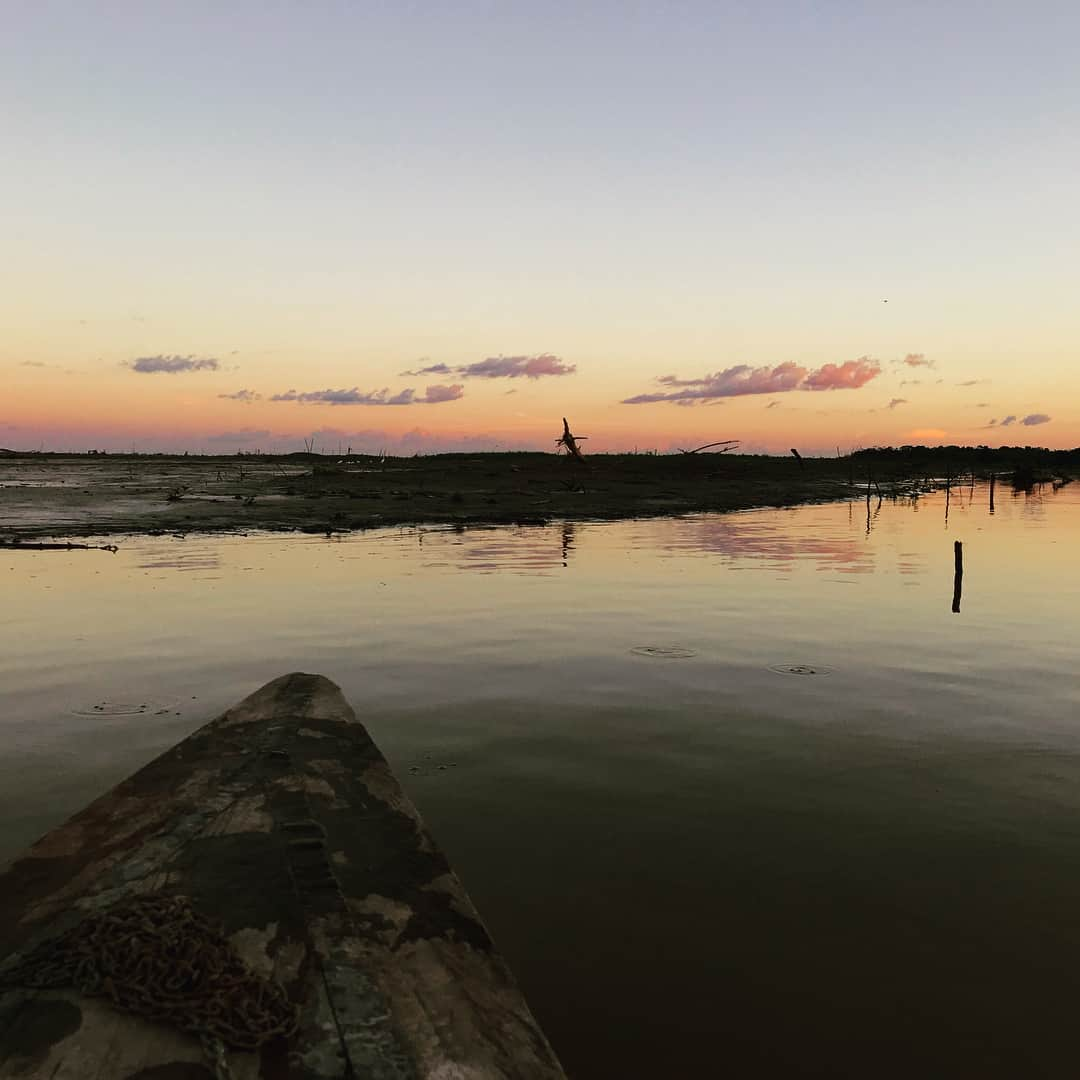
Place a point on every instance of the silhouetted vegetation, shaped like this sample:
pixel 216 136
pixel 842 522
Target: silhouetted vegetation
pixel 73 495
pixel 946 461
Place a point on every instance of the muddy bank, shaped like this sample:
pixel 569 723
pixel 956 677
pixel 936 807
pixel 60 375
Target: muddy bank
pixel 48 496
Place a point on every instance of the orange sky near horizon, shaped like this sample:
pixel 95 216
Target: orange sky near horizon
pixel 108 406
pixel 731 209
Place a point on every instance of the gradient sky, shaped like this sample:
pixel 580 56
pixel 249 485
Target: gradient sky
pixel 283 197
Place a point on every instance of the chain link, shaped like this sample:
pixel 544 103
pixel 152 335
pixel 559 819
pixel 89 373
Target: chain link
pixel 155 956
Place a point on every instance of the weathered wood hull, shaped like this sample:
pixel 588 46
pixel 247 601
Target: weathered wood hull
pixel 282 821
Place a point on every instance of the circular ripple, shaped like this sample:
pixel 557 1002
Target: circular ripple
pixel 144 707
pixel 664 652
pixel 800 669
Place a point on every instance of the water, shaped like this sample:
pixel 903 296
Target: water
pixel 735 794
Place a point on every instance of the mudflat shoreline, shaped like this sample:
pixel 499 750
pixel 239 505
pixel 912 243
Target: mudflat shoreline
pixel 50 496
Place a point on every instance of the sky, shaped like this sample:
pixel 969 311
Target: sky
pixel 419 227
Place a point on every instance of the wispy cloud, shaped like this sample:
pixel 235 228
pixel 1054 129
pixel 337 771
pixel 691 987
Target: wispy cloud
pixel 503 367
pixel 32 363
pixel 433 369
pixel 772 405
pixel 247 396
pixel 172 365
pixel 433 395
pixel 517 367
pixel 742 379
pixel 973 382
pixel 917 359
pixel 897 401
pixel 1031 420
pixel 243 437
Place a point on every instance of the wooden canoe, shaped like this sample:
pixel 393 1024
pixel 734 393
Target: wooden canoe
pixel 282 823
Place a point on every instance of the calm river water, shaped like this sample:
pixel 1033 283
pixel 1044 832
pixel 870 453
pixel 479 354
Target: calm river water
pixel 736 795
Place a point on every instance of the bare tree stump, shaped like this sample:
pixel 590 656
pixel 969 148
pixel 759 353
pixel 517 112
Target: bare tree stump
pixel 571 441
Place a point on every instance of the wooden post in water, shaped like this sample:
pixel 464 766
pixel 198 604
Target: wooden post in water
pixel 958 574
pixel 991 493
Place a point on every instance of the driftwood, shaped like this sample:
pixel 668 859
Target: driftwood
pixel 727 444
pixel 18 545
pixel 282 823
pixel 570 441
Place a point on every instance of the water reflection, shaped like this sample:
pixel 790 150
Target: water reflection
pixel 958 575
pixel 755 539
pixel 568 530
pixel 806 538
pixel 178 555
pixel 877 510
pixel 532 549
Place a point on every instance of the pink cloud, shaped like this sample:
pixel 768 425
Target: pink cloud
pixel 917 359
pixel 847 376
pixel 731 382
pixel 742 379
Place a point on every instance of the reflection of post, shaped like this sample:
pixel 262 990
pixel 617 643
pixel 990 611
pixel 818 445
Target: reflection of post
pixel 991 493
pixel 958 574
pixel 567 541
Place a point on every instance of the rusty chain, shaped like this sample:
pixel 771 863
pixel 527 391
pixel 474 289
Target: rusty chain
pixel 157 957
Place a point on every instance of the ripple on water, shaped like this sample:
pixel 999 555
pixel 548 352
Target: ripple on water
pixel 151 706
pixel 664 652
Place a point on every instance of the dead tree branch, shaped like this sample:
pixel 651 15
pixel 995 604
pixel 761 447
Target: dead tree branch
pixel 570 441
pixel 727 444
